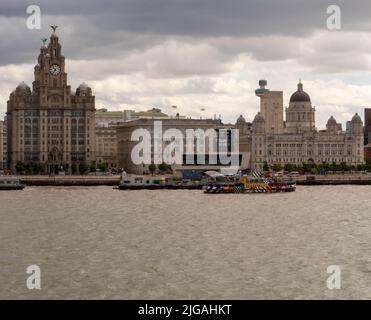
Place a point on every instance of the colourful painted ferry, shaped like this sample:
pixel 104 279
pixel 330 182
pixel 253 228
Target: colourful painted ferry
pixel 247 181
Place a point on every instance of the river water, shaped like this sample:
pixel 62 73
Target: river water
pixel 99 242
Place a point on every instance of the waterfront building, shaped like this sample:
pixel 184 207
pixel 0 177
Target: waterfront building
pixel 126 145
pixel 2 139
pixel 105 117
pixel 48 124
pixel 106 145
pixel 367 126
pixel 297 140
pixel 106 135
pixel 271 103
pixel 368 152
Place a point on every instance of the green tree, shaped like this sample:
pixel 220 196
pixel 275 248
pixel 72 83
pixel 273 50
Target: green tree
pixel 20 167
pixel 277 167
pixel 35 168
pixel 368 164
pixel 103 167
pixel 83 168
pixel 289 167
pixel 163 167
pixel 93 167
pixel 73 168
pixel 152 168
pixel 266 166
pixel 28 168
pixel 300 169
pixel 344 166
pixel 332 166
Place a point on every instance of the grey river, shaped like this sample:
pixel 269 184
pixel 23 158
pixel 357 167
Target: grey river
pixel 99 242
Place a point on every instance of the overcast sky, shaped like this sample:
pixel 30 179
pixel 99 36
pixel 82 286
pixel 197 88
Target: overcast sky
pixel 139 54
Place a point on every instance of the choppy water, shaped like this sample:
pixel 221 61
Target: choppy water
pixel 105 243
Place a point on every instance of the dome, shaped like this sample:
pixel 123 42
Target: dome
pixel 84 86
pixel 23 86
pixel 331 122
pixel 300 95
pixel 356 118
pixel 241 120
pixel 259 118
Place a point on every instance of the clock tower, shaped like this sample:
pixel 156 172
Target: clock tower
pixel 50 125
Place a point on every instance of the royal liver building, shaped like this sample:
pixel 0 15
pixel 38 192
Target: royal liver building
pixel 297 140
pixel 49 124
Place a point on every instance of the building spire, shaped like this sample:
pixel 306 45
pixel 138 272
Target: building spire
pixel 300 86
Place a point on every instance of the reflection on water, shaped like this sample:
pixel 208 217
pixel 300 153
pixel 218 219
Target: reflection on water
pixel 105 243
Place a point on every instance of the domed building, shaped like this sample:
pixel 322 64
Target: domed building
pixel 48 124
pixel 299 141
pixel 300 113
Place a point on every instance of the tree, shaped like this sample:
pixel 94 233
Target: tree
pixel 300 169
pixel 266 166
pixel 332 166
pixel 83 168
pixel 152 168
pixel 163 167
pixel 277 167
pixel 93 167
pixel 289 167
pixel 344 166
pixel 103 167
pixel 368 164
pixel 73 168
pixel 20 167
pixel 28 168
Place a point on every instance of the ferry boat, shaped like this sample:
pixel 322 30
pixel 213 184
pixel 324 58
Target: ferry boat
pixel 10 183
pixel 247 181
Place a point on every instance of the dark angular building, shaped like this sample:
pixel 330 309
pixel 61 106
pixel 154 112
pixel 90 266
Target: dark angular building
pixel 367 126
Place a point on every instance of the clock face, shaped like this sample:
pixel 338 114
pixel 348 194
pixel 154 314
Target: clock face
pixel 55 69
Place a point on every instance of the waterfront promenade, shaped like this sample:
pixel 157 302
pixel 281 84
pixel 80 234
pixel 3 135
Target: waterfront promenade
pixel 113 180
pixel 335 179
pixel 69 180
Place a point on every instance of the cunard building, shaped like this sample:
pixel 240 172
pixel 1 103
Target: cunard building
pixel 49 124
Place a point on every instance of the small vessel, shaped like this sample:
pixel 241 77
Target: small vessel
pixel 132 182
pixel 138 182
pixel 10 183
pixel 247 181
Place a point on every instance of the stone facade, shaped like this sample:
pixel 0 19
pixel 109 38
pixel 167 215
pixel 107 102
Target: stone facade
pixel 367 126
pixel 2 151
pixel 300 142
pixel 125 145
pixel 106 135
pixel 106 145
pixel 49 124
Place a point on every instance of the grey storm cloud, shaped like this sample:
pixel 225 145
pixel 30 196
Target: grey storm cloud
pixel 195 18
pixel 95 29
